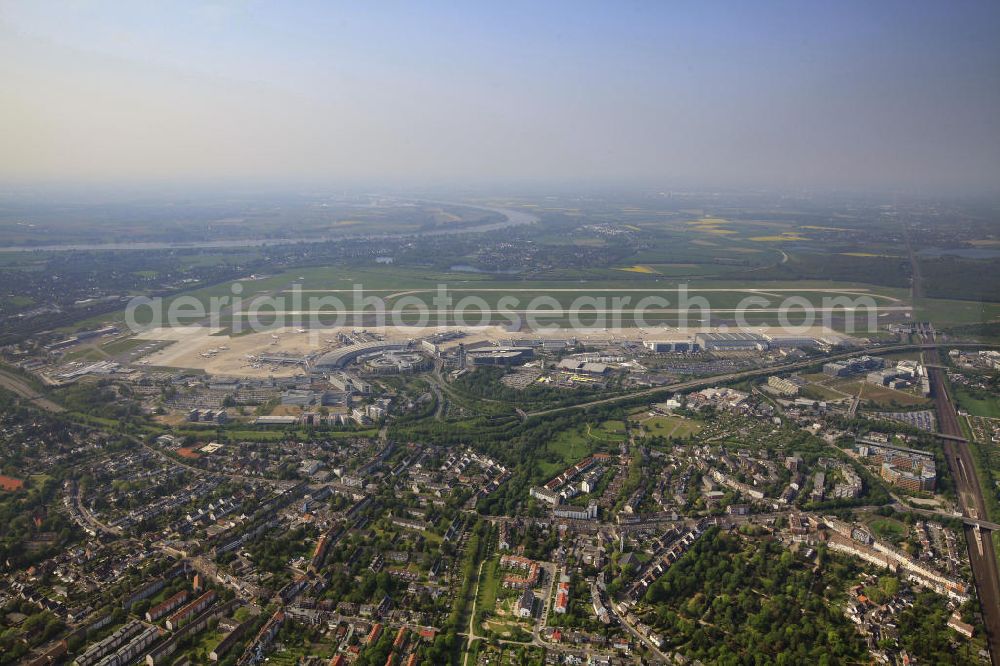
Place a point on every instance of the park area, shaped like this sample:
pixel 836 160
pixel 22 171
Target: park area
pixel 669 427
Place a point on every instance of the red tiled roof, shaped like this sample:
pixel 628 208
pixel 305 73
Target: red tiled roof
pixel 10 484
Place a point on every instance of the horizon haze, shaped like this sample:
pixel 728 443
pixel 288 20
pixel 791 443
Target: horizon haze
pixel 885 96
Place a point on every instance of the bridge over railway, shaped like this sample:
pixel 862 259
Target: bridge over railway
pixel 978 532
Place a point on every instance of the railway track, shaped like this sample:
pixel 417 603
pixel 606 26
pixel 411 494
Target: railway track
pixel 982 556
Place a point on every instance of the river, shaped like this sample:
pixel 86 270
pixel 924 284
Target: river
pixel 514 218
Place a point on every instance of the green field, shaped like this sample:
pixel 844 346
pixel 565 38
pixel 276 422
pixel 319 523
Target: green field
pixel 488 585
pixel 821 393
pixel 671 427
pixel 85 354
pixel 947 312
pixel 611 432
pixel 883 396
pixel 888 528
pixel 569 447
pixel 819 388
pixel 609 289
pixel 978 405
pixel 206 642
pixel 124 345
pixel 15 301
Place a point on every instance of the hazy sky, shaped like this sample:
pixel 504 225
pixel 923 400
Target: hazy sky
pixel 869 95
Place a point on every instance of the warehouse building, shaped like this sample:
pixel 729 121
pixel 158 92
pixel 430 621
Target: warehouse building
pixel 790 341
pixel 783 386
pixel 731 342
pixel 498 356
pixel 581 366
pixel 668 347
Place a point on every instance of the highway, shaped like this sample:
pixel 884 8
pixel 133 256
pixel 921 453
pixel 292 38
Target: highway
pixel 704 382
pixel 18 385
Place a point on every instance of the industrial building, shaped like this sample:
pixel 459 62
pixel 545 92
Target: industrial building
pixel 898 376
pixel 667 347
pixel 731 342
pixel 790 341
pixel 298 397
pixel 584 367
pixel 835 369
pixel 546 344
pixel 880 377
pixel 853 366
pixel 498 356
pixel 783 386
pixel 80 337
